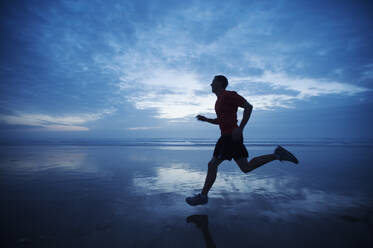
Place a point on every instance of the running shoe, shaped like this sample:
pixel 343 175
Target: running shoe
pixel 285 155
pixel 197 200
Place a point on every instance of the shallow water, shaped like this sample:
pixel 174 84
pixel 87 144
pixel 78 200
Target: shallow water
pixel 133 196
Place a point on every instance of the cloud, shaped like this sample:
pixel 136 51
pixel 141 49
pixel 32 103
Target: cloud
pixel 149 82
pixel 141 128
pixel 367 74
pixel 181 99
pixel 173 94
pixel 176 93
pixel 166 67
pixel 303 88
pixel 54 123
pixel 66 128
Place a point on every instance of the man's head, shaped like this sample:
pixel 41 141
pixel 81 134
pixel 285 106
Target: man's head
pixel 219 83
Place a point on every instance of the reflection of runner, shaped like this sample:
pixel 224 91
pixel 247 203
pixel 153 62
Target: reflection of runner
pixel 202 222
pixel 230 144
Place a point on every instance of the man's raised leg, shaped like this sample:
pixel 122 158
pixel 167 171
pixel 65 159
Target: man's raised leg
pixel 254 163
pixel 280 153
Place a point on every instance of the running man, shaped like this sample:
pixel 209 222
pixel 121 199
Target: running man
pixel 230 144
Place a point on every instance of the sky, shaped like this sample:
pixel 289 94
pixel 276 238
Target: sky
pixel 142 69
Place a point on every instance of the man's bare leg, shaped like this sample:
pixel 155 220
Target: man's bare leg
pixel 254 163
pixel 280 153
pixel 211 174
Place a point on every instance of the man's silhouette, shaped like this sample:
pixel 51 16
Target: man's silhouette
pixel 230 144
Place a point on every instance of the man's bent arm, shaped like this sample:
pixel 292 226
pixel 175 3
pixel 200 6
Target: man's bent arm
pixel 213 121
pixel 246 114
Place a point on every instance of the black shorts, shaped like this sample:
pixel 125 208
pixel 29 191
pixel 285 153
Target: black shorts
pixel 226 148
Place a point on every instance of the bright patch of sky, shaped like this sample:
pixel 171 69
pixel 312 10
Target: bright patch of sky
pixel 144 68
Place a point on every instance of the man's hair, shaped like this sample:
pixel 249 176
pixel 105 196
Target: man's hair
pixel 222 79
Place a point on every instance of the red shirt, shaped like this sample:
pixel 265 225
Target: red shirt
pixel 226 110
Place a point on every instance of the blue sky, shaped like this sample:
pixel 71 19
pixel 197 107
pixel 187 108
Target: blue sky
pixel 117 69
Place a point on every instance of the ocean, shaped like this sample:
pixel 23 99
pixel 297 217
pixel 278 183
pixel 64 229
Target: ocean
pixel 131 193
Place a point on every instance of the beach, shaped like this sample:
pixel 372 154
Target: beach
pixel 133 195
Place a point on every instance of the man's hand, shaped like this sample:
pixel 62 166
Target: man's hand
pixel 201 118
pixel 237 134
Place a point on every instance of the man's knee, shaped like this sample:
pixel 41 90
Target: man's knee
pixel 244 166
pixel 246 169
pixel 213 163
pixel 250 166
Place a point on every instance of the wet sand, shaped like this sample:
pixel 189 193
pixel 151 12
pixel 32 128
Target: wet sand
pixel 133 196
